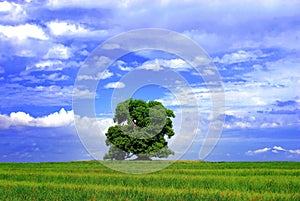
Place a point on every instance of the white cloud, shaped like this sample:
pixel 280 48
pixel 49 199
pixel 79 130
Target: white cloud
pixel 261 88
pixel 93 3
pixel 110 46
pixel 285 39
pixel 68 29
pixel 134 14
pixel 238 124
pixel 259 120
pixel 208 72
pixel 92 134
pixel 122 66
pixel 114 85
pixel 65 28
pixel 239 56
pixel 50 65
pixel 297 151
pixel 20 118
pixel 125 68
pixel 56 119
pixel 278 148
pixel 90 126
pixel 95 65
pixel 83 93
pixel 47 64
pixel 169 100
pixel 56 77
pixel 11 11
pixel 150 66
pixel 5 6
pixel 100 76
pixel 284 72
pixel 58 51
pixel 270 125
pixel 159 64
pixel 208 40
pixel 24 31
pixel 177 64
pixel 275 149
pixel 258 151
pixel 84 52
pixel 186 96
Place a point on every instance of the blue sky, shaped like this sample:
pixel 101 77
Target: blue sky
pixel 254 46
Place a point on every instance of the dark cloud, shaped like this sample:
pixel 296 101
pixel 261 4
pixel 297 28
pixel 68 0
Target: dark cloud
pixel 286 103
pixel 291 112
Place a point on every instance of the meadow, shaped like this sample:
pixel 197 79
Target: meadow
pixel 183 180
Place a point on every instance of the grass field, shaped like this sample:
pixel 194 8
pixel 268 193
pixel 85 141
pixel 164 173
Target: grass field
pixel 183 180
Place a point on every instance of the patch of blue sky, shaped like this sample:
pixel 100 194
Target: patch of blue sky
pixel 25 144
pixel 240 145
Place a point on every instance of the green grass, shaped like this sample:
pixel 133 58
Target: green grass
pixel 183 180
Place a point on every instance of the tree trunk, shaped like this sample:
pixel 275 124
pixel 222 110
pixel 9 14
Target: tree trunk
pixel 143 157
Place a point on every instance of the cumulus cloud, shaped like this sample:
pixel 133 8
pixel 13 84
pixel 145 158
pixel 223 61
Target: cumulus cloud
pixel 278 148
pixel 24 31
pixel 100 76
pixel 270 125
pixel 123 66
pixel 110 46
pixel 239 56
pixel 274 149
pixel 177 64
pixel 263 121
pixel 258 151
pixel 160 64
pixel 47 64
pixel 242 108
pixel 56 119
pixel 58 51
pixel 83 93
pixel 12 12
pixel 56 77
pixel 297 151
pixel 51 65
pixel 281 77
pixel 229 31
pixel 90 126
pixel 271 90
pixel 92 134
pixel 150 66
pixel 91 3
pixel 74 29
pixel 65 28
pixel 114 85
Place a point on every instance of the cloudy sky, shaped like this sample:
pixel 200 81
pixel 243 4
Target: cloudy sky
pixel 254 47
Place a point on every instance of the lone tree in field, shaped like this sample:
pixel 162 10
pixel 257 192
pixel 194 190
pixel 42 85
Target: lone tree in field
pixel 141 130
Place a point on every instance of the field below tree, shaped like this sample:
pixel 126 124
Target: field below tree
pixel 183 180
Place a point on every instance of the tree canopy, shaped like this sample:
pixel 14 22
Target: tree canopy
pixel 141 130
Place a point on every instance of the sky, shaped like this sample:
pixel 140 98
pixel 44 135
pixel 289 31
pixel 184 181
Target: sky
pixel 253 47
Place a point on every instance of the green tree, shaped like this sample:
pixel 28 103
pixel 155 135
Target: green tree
pixel 141 130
